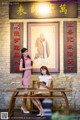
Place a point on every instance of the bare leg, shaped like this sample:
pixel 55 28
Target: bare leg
pixel 36 104
pixel 24 102
pixel 40 105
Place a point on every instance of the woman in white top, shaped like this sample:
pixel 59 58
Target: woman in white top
pixel 44 83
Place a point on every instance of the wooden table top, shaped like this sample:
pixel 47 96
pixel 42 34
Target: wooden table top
pixel 36 89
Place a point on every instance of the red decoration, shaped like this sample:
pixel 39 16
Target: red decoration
pixel 70 53
pixel 16 47
pixel 71 67
pixel 16 68
pixel 70 24
pixel 70 31
pixel 16 54
pixel 16 62
pixel 16 26
pixel 70 39
pixel 70 61
pixel 16 40
pixel 16 33
pixel 70 46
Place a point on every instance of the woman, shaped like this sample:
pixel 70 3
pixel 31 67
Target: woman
pixel 25 66
pixel 44 83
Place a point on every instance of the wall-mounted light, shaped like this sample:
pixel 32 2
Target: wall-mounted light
pixel 43 9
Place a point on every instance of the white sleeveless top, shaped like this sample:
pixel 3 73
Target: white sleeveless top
pixel 45 78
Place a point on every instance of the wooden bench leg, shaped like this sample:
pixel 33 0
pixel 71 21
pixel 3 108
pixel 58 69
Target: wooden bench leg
pixel 66 101
pixel 12 104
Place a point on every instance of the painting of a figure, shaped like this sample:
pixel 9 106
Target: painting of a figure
pixel 42 47
pixel 42 42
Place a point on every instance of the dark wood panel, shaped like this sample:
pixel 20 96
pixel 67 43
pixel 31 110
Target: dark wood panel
pixel 70 46
pixel 15 46
pixel 30 10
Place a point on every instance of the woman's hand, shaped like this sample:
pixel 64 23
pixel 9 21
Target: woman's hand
pixel 44 85
pixel 28 68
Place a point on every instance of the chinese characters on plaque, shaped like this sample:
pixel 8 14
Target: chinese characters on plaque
pixel 16 45
pixel 55 9
pixel 70 46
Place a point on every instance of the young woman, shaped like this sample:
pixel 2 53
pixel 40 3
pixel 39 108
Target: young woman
pixel 25 67
pixel 44 83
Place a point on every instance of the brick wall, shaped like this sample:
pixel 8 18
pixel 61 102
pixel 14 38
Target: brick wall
pixel 8 80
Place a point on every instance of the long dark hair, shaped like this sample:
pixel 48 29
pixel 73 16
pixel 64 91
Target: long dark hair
pixel 44 67
pixel 22 51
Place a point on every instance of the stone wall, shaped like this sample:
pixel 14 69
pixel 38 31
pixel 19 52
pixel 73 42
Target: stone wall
pixel 8 80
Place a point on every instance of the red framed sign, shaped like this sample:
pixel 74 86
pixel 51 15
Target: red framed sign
pixel 70 46
pixel 15 45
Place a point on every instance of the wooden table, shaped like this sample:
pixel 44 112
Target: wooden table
pixel 33 90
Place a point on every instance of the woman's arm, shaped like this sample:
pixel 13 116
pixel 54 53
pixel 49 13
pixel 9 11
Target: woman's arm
pixel 46 86
pixel 21 66
pixel 49 83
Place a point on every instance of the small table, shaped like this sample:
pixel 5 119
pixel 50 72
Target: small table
pixel 33 90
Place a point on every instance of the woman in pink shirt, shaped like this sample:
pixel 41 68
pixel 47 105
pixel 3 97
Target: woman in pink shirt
pixel 25 66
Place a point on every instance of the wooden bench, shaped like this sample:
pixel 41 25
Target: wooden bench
pixel 33 90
